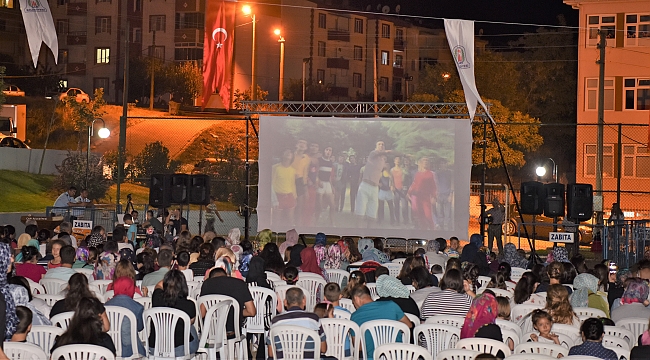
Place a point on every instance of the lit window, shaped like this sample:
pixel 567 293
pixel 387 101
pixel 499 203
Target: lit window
pixel 103 55
pixel 637 94
pixel 384 57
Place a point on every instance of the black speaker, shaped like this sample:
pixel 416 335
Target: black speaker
pixel 200 190
pixel 580 201
pixel 532 198
pixel 179 188
pixel 554 205
pixel 159 190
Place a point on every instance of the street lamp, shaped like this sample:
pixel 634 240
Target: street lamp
pixel 281 41
pixel 541 170
pixel 103 133
pixel 248 11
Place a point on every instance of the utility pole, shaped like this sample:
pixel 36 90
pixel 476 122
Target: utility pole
pixel 121 149
pixel 253 82
pixel 152 59
pixel 601 123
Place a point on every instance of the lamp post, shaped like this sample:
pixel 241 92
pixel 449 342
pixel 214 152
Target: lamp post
pixel 281 41
pixel 103 133
pixel 249 11
pixel 541 170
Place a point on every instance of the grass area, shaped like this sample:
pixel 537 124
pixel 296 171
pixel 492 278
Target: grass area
pixel 25 192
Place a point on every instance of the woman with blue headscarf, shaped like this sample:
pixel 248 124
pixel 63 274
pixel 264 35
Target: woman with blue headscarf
pixel 10 306
pixel 472 254
pixel 585 288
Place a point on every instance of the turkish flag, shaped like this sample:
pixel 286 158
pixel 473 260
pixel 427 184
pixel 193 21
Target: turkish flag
pixel 217 49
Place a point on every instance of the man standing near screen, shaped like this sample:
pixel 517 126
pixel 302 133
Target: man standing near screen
pixel 300 165
pixel 311 205
pixel 324 187
pixel 367 201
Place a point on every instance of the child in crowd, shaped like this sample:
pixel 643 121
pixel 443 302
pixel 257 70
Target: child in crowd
pixel 24 324
pixel 55 262
pixel 182 261
pixel 492 262
pixel 454 248
pixel 333 295
pixel 498 281
pixel 356 278
pixel 503 308
pixel 290 275
pixel 543 322
pixel 436 269
pixel 321 310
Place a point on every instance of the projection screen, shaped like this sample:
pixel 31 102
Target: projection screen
pixel 389 177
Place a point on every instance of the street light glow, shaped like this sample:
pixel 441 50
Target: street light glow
pixel 540 171
pixel 277 32
pixel 246 9
pixel 103 133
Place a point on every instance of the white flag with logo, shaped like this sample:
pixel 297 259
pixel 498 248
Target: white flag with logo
pixel 39 27
pixel 460 35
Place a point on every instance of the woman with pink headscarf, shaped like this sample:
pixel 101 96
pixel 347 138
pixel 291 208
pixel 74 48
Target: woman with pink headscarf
pixel 291 240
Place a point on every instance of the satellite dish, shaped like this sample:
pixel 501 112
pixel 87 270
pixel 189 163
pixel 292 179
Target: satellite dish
pixel 378 7
pixel 369 7
pixel 397 8
pixel 385 9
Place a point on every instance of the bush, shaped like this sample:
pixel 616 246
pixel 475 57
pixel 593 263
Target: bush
pixel 72 172
pixel 153 159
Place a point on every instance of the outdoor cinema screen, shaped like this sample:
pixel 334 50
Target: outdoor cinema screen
pixel 390 177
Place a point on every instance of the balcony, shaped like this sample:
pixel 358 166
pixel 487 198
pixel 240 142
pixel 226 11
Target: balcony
pixel 76 38
pixel 398 72
pixel 188 6
pixel 77 9
pixel 338 63
pixel 338 91
pixel 399 44
pixel 76 69
pixel 188 36
pixel 338 35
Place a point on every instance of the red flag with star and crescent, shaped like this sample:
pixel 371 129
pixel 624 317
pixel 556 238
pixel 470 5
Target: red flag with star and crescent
pixel 218 49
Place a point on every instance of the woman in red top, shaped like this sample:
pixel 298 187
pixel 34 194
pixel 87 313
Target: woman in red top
pixel 29 268
pixel 421 193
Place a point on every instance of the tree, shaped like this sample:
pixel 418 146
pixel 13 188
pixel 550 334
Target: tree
pixel 184 81
pixel 153 159
pixel 313 91
pixel 245 95
pixel 72 171
pixel 82 114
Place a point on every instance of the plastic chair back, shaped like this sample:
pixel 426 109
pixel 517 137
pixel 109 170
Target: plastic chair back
pixel 338 276
pixel 102 284
pixel 565 340
pixel 610 341
pixel 451 320
pixel 383 332
pixel 116 316
pixel 82 351
pixel 53 286
pixel 401 352
pixel 62 320
pixel 518 312
pixel 509 325
pixel 535 347
pixel 393 268
pixel 270 275
pixel 23 351
pixel 315 288
pixel 437 337
pixel 43 336
pixel 622 333
pixel 340 314
pixel 588 312
pixel 636 325
pixel 260 295
pixel 457 354
pixel 347 304
pixel 516 273
pixel 337 332
pixel 213 336
pixel 293 340
pixel 483 345
pixel 164 320
pixel 373 290
pixel 35 288
pixel 50 300
pixel 145 301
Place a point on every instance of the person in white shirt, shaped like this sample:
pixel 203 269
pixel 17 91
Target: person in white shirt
pixel 64 200
pixel 82 201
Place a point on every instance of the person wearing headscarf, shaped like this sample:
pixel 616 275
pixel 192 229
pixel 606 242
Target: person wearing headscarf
pixel 20 296
pixel 291 240
pixel 264 237
pixel 616 289
pixel 295 259
pixel 471 254
pixel 480 320
pixel 633 303
pixel 95 239
pixel 81 259
pixel 124 289
pixel 433 255
pixel 370 253
pixel 106 262
pixel 256 273
pixel 512 257
pixel 389 288
pixel 310 263
pixel 232 241
pixel 585 288
pixel 365 244
pixel 320 248
pixel 560 254
pixel 10 306
pixel 334 257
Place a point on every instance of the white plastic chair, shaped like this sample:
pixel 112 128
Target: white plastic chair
pixel 338 276
pixel 535 347
pixel 484 281
pixel 437 337
pixel 62 320
pixel 500 292
pixel 199 278
pixel 341 314
pixel 43 336
pixel 192 285
pixel 451 320
pixel 88 272
pixel 401 352
pixel 519 311
pixel 23 351
pixel 35 288
pixel 510 335
pixel 213 336
pixel 116 316
pixel 399 261
pixel 281 292
pixel 383 332
pixel 270 275
pixel 102 284
pixel 588 312
pixel 150 290
pixel 414 319
pixel 393 268
pixel 565 340
pixel 164 320
pixel 411 288
pixel 239 339
pixel 315 288
pixel 373 290
pixel 483 345
pixel 49 299
pixel 145 301
pixel 255 324
pixel 568 330
pixel 110 294
pixel 580 357
pixel 293 340
pixel 526 356
pixel 510 286
pixel 337 331
pixel 457 354
pixel 610 341
pixel 636 325
pixel 621 354
pixel 347 304
pixel 53 286
pixel 516 273
pixel 277 283
pixel 622 333
pixel 82 351
pixel 509 325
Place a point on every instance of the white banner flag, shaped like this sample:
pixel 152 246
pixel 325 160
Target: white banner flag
pixel 39 27
pixel 460 35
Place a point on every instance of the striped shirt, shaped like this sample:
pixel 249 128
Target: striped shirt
pixel 446 302
pixel 298 317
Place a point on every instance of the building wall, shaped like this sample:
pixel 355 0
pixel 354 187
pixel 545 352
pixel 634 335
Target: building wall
pixel 627 56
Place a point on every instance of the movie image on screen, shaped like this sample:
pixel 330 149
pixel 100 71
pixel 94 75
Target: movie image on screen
pixel 365 176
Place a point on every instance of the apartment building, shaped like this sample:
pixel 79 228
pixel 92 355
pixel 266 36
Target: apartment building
pixel 627 98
